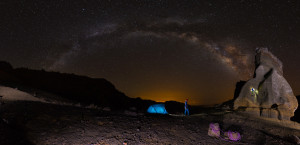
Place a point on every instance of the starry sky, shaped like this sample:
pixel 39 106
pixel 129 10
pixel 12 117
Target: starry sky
pixel 153 49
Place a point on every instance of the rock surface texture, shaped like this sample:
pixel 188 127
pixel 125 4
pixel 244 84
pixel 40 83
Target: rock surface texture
pixel 268 94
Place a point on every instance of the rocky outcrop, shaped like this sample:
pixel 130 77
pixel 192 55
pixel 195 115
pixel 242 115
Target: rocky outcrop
pixel 268 94
pixel 238 87
pixel 214 130
pixel 297 112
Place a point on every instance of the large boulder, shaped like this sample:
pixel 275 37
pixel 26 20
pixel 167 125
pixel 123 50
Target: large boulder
pixel 297 112
pixel 268 94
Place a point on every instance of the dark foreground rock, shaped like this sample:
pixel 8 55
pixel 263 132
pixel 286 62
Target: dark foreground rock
pixel 12 135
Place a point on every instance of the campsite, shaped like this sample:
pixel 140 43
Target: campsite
pixel 149 72
pixel 55 122
pixel 34 110
pixel 47 124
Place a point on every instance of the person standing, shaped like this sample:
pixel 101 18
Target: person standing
pixel 186 109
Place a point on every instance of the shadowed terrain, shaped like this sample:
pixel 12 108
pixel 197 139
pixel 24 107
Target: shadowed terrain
pixel 41 123
pixel 39 107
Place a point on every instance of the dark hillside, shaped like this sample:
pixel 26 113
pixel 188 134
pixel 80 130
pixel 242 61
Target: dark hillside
pixel 79 89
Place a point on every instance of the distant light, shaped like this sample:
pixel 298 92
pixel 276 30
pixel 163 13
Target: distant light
pixel 254 92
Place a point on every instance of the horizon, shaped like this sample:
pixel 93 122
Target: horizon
pixel 190 102
pixel 158 50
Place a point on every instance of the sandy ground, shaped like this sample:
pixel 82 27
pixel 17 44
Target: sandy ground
pixel 26 119
pixel 13 94
pixel 40 123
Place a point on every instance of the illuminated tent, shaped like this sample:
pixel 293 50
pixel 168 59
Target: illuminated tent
pixel 157 109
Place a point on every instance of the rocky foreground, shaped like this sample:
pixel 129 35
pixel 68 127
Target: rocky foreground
pixel 42 123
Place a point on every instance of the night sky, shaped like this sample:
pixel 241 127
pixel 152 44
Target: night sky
pixel 153 49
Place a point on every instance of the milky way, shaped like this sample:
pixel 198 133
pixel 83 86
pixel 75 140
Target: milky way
pixel 160 50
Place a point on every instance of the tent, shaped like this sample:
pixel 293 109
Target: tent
pixel 157 109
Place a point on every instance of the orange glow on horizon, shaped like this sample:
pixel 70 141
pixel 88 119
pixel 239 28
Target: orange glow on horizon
pixel 203 99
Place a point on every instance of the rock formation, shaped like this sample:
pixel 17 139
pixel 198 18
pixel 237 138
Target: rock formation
pixel 297 112
pixel 214 130
pixel 268 94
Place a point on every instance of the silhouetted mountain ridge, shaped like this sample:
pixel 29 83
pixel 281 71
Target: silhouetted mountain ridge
pixel 77 88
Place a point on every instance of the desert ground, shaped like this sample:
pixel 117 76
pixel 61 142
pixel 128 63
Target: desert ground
pixel 28 122
pixel 46 119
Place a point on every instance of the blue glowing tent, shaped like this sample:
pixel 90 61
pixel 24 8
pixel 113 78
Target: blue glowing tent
pixel 157 109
